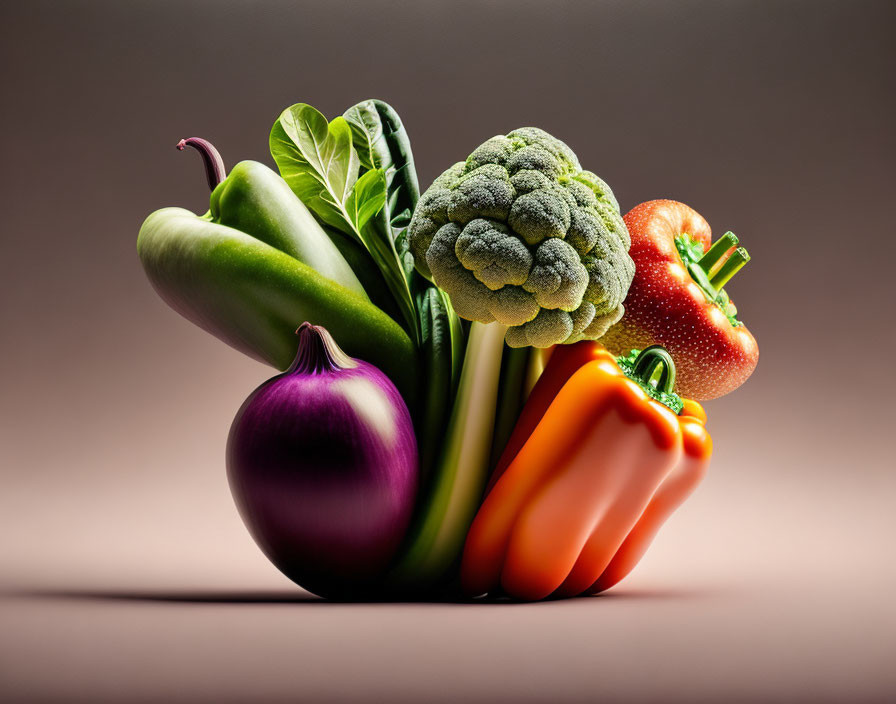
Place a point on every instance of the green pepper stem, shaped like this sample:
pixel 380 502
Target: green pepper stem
pixel 646 364
pixel 732 265
pixel 211 158
pixel 718 250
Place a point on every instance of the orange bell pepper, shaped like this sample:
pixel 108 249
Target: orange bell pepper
pixel 563 361
pixel 614 454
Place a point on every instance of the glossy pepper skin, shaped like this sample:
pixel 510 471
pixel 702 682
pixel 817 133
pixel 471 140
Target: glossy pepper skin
pixel 565 360
pixel 670 302
pixel 257 264
pixel 578 506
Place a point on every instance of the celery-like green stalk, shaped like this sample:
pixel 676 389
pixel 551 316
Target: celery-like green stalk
pixel 538 360
pixel 514 364
pixel 463 468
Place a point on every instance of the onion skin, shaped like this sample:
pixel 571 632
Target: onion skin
pixel 322 464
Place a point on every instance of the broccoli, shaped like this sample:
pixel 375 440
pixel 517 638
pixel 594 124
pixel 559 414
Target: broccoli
pixel 521 235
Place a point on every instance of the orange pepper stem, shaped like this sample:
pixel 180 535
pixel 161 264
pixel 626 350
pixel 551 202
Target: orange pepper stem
pixel 646 365
pixel 654 371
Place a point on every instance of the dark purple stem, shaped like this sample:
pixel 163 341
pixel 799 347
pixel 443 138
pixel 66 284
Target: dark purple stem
pixel 318 352
pixel 211 158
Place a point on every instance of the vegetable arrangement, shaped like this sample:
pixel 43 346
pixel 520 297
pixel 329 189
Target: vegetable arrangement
pixel 447 421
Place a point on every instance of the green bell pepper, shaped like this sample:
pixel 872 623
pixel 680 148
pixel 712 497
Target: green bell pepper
pixel 257 265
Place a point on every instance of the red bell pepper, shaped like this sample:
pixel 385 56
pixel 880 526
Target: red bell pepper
pixel 677 300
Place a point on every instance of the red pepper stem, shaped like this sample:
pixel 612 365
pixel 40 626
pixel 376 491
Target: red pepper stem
pixel 732 265
pixel 646 364
pixel 717 251
pixel 211 158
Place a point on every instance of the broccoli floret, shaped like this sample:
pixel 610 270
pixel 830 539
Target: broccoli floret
pixel 520 234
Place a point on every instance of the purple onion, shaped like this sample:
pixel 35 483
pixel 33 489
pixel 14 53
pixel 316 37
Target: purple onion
pixel 322 464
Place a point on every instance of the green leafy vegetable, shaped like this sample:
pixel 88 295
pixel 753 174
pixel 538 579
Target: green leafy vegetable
pixel 441 356
pixel 319 161
pixel 382 143
pixel 356 173
pixel 367 198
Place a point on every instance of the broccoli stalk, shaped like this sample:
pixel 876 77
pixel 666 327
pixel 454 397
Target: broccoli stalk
pixel 463 468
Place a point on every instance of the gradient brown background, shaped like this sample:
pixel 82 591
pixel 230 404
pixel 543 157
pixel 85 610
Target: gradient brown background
pixel 128 575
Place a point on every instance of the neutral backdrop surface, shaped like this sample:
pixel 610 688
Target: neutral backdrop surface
pixel 126 573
